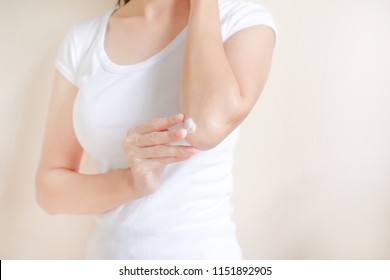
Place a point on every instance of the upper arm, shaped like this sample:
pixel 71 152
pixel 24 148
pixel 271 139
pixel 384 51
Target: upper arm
pixel 249 53
pixel 60 147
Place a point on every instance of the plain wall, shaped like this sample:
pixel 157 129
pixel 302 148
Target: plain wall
pixel 312 173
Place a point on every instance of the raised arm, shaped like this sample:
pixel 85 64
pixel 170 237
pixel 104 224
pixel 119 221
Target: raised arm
pixel 221 82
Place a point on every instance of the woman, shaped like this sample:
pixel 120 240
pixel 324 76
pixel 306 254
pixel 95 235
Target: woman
pixel 125 84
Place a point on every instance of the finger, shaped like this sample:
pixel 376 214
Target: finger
pixel 170 160
pixel 159 124
pixel 162 151
pixel 160 138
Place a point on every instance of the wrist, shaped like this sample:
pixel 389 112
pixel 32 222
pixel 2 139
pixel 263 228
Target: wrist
pixel 204 12
pixel 126 184
pixel 203 4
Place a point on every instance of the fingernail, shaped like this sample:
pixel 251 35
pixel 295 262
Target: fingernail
pixel 183 133
pixel 190 150
pixel 178 116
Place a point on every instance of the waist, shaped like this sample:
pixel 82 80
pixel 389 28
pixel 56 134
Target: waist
pixel 205 242
pixel 174 207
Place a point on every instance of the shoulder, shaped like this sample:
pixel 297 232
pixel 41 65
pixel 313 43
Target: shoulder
pixel 231 8
pixel 83 33
pixel 240 14
pixel 77 44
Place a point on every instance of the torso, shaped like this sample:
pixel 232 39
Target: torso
pixel 189 216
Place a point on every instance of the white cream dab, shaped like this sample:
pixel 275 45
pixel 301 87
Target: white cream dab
pixel 190 126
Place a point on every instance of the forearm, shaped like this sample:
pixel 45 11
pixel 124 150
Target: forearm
pixel 62 191
pixel 210 93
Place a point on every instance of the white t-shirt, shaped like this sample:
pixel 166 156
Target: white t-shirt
pixel 189 216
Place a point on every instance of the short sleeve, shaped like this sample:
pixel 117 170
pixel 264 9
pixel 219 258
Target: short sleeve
pixel 243 14
pixel 66 61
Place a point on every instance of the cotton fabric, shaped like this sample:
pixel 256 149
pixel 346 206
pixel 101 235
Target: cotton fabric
pixel 189 216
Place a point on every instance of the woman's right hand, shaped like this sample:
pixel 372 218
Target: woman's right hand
pixel 148 151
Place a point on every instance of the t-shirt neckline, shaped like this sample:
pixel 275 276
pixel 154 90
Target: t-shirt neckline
pixel 118 68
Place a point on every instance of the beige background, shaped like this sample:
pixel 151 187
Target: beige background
pixel 313 161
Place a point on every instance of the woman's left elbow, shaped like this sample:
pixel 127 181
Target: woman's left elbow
pixel 211 132
pixel 203 141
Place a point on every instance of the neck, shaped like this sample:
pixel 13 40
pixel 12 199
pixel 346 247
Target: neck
pixel 154 9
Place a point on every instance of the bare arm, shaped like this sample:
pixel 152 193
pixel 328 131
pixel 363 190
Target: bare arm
pixel 61 189
pixel 221 81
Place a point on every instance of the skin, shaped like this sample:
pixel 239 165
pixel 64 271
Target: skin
pixel 224 79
